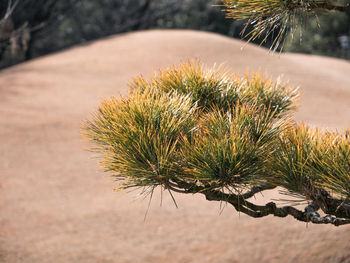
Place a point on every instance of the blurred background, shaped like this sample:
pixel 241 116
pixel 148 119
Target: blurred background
pixel 58 206
pixel 34 28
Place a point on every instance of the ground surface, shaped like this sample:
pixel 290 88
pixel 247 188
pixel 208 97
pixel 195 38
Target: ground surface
pixel 56 206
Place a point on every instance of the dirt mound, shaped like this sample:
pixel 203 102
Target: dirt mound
pixel 57 207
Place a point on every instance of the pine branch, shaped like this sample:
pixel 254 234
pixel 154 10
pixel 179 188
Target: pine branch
pixel 240 203
pixel 193 143
pixel 329 205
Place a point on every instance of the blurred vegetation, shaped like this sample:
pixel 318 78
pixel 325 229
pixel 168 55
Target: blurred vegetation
pixel 31 28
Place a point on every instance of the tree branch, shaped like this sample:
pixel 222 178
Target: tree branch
pixel 240 203
pixel 329 205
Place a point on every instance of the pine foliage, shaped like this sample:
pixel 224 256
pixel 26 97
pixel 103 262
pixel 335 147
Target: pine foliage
pixel 205 125
pixel 196 130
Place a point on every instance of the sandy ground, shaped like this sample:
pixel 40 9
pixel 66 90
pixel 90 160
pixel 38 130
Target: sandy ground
pixel 56 206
